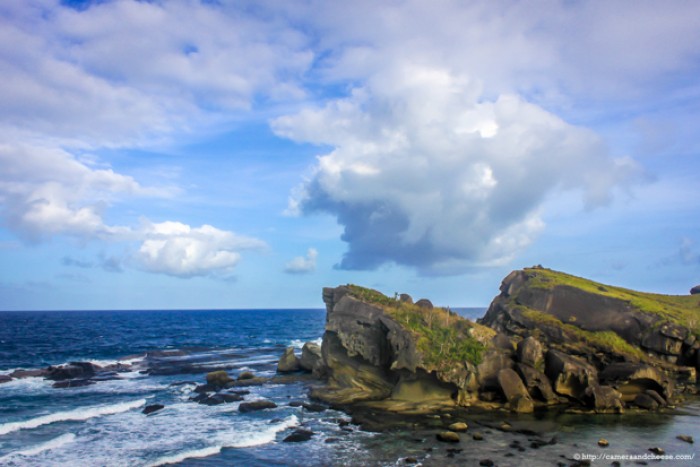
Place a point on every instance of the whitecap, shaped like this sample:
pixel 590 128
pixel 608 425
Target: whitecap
pixel 39 448
pixel 81 414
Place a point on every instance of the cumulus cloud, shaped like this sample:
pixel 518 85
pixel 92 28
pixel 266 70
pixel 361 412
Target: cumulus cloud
pixel 302 264
pixel 179 250
pixel 427 173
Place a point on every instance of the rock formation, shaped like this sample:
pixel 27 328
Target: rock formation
pixel 548 340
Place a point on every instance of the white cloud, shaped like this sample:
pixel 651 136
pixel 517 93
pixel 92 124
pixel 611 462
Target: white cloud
pixel 425 172
pixel 303 264
pixel 177 249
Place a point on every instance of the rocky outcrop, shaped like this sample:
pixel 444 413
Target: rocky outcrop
pixel 606 347
pixel 311 359
pixel 695 290
pixel 548 339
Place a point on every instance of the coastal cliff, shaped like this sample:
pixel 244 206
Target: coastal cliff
pixel 548 340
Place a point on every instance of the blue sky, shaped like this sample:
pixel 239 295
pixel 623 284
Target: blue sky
pixel 199 154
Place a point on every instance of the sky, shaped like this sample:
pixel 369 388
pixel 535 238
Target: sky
pixel 192 154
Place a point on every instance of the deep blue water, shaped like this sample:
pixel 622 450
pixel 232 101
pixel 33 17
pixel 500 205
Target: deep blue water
pixel 170 352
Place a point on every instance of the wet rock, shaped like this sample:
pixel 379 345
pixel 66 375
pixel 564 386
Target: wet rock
pixel 314 407
pixel 72 370
pixel 686 438
pixel 311 359
pixel 245 375
pixel 645 401
pixel 72 383
pixel 218 379
pixel 410 460
pixel 458 427
pixel 149 409
pixel 530 353
pixel 261 404
pixel 288 362
pixel 603 443
pixel 5 379
pixel 486 463
pixel 28 373
pixel 448 437
pixel 299 435
pixel 657 450
pixel 478 437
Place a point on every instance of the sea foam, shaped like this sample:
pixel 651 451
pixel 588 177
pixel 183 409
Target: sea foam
pixel 83 413
pixel 39 448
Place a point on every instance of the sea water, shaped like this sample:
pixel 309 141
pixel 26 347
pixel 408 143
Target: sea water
pixel 103 425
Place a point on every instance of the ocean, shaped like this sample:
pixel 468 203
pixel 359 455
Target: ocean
pixel 168 354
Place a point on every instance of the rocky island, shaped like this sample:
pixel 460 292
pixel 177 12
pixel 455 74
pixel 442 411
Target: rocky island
pixel 549 341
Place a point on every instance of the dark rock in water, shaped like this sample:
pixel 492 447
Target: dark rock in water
pixel 199 397
pixel 149 409
pixel 261 404
pixel 311 359
pixel 314 407
pixel 29 373
pixel 72 370
pixel 410 460
pixel 288 362
pixel 220 398
pixel 218 379
pixel 486 463
pixel 246 375
pixel 605 399
pixel 72 383
pixel 695 290
pixel 299 435
pixel 296 404
pixel 686 438
pixel 203 388
pixel 645 402
pixel 448 437
pixel 478 437
pixel 425 303
pixel 5 379
pixel 657 450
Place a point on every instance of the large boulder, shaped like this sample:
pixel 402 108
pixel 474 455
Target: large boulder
pixel 537 384
pixel 695 290
pixel 288 362
pixel 530 352
pixel 570 375
pixel 311 358
pixel 253 406
pixel 514 391
pixel 5 379
pixel 632 379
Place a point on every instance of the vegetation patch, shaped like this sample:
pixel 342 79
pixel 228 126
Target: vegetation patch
pixel 683 310
pixel 442 337
pixel 608 341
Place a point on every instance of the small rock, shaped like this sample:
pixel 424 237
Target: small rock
pixel 657 450
pixel 410 460
pixel 298 436
pixel 505 426
pixel 149 409
pixel 448 437
pixel 5 379
pixel 478 437
pixel 458 426
pixel 314 407
pixel 686 438
pixel 331 440
pixel 603 443
pixel 486 462
pixel 246 375
pixel 256 405
pixel 28 373
pixel 218 379
pixel 72 383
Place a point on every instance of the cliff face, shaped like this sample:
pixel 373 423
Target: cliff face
pixel 549 340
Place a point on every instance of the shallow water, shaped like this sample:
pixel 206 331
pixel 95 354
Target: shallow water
pixel 102 424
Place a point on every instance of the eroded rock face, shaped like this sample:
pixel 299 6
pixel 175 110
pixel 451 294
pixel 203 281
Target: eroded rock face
pixel 288 362
pixel 311 359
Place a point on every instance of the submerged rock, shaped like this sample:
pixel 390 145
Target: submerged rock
pixel 72 370
pixel 260 404
pixel 448 437
pixel 299 435
pixel 149 409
